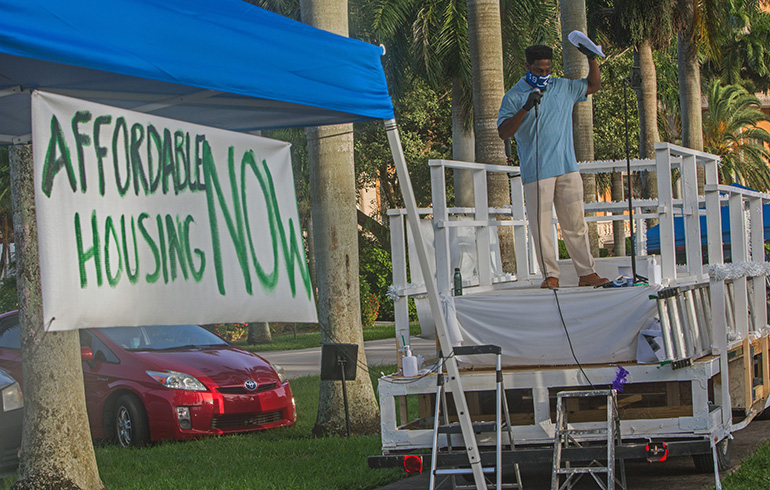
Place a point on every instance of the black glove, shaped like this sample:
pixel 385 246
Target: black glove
pixel 533 100
pixel 589 54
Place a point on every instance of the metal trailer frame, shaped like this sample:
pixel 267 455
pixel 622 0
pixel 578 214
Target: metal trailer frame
pixel 734 309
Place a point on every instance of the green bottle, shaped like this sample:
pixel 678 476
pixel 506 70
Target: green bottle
pixel 458 279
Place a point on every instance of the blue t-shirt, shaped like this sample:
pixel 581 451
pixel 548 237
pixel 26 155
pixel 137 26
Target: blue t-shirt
pixel 555 147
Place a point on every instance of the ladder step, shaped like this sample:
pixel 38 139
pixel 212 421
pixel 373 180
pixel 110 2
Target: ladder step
pixel 469 350
pixel 478 428
pixel 585 432
pixel 586 469
pixel 461 471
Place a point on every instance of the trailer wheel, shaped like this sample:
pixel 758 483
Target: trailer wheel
pixel 705 462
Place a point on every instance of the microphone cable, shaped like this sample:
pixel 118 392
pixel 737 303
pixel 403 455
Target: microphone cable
pixel 540 242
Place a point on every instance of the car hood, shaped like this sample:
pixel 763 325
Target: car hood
pixel 225 366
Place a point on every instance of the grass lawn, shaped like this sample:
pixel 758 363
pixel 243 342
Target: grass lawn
pixel 277 459
pixel 754 472
pixel 304 340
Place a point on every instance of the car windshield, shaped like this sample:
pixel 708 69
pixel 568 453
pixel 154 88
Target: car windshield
pixel 163 337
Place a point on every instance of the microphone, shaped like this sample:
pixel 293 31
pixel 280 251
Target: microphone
pixel 538 102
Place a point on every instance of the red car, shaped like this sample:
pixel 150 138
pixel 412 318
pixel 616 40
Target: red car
pixel 168 382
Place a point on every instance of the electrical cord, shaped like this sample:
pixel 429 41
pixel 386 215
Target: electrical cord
pixel 540 246
pixel 569 340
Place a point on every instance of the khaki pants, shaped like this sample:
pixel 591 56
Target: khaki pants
pixel 565 193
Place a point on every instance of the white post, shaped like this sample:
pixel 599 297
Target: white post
pixel 738 252
pixel 481 204
pixel 401 302
pixel 717 289
pixel 758 297
pixel 519 231
pixel 665 211
pixel 440 230
pixel 691 213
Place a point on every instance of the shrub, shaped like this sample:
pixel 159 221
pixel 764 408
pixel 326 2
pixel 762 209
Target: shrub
pixel 229 331
pixel 8 298
pixel 376 269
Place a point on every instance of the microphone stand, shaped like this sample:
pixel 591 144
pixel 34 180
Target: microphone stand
pixel 627 81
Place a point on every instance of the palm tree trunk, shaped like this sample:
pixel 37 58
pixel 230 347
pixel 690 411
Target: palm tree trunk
pixel 57 451
pixel 647 97
pixel 259 333
pixel 647 101
pixel 486 52
pixel 573 17
pixel 689 88
pixel 462 146
pixel 333 197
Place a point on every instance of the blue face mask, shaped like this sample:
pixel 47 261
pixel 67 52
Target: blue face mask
pixel 537 81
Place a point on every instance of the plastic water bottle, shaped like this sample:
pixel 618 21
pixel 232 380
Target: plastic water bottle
pixel 653 273
pixel 458 281
pixel 409 363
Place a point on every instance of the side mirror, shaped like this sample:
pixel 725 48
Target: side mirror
pixel 86 354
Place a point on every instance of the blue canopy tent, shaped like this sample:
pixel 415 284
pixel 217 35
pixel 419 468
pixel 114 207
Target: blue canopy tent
pixel 225 64
pixel 653 234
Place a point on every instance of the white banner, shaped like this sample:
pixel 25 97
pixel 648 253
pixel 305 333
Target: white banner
pixel 144 220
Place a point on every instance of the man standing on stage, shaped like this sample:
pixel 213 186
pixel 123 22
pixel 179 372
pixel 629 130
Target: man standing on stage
pixel 548 164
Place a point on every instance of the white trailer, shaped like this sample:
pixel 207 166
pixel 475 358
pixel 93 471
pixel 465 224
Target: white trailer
pixel 713 379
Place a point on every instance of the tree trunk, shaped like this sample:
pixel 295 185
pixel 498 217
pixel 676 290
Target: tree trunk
pixel 333 197
pixel 259 333
pixel 689 89
pixel 486 51
pixel 57 451
pixel 462 147
pixel 647 97
pixel 647 102
pixel 573 17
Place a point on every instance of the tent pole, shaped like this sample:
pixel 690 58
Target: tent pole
pixel 413 217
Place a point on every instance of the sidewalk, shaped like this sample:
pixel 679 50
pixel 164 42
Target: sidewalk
pixel 304 362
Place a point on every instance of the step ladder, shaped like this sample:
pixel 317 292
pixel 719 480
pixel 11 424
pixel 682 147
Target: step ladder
pixel 565 437
pixel 449 429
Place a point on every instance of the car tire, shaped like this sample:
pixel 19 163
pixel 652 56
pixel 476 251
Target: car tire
pixel 131 428
pixel 704 463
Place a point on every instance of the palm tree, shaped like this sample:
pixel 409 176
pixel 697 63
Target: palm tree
pixel 706 27
pixel 693 34
pixel 745 50
pixel 645 27
pixel 573 17
pixel 731 130
pixel 430 38
pixel 57 450
pixel 333 197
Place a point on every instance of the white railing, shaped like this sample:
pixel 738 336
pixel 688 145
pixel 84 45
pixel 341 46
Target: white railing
pixel 458 233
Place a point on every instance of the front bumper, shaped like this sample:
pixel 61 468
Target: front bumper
pixel 213 413
pixel 10 438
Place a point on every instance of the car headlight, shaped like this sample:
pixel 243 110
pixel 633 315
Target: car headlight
pixel 281 372
pixel 12 398
pixel 177 381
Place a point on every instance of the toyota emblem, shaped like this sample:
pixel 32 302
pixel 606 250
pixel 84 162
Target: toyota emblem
pixel 250 385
